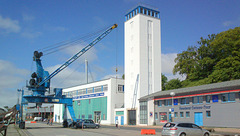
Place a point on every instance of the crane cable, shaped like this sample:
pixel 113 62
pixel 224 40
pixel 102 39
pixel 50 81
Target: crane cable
pixel 72 42
pixel 116 42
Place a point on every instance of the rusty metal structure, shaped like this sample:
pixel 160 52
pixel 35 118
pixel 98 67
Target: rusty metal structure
pixel 6 119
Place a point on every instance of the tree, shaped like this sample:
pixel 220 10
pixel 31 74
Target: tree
pixel 173 84
pixel 164 81
pixel 215 59
pixel 185 62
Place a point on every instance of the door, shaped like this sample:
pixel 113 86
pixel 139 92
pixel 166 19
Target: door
pixel 55 118
pixel 198 118
pixel 132 117
pixel 170 117
pixel 116 118
pixel 97 116
pixel 122 120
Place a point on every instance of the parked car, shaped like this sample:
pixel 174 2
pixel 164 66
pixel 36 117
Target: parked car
pixel 67 123
pixel 183 129
pixel 37 119
pixel 87 123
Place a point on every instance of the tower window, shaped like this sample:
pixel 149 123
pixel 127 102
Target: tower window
pixel 145 11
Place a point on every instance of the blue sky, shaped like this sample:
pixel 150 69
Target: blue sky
pixel 26 26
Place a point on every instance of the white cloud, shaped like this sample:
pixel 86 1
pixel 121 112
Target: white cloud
pixel 11 79
pixel 90 55
pixel 168 62
pixel 66 78
pixel 168 65
pixel 9 25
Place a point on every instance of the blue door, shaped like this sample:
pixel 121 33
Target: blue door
pixel 116 118
pixel 198 118
pixel 170 117
pixel 122 120
pixel 55 118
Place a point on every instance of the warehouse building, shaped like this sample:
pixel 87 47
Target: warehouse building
pixel 216 105
pixel 96 101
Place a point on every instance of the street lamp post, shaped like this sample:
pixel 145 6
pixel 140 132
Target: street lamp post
pixel 172 112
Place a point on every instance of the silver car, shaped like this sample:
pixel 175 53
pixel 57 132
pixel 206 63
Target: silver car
pixel 183 129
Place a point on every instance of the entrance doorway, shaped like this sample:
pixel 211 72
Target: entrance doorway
pixel 97 116
pixel 132 117
pixel 198 118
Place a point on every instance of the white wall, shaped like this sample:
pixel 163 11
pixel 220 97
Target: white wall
pixel 136 59
pixel 113 97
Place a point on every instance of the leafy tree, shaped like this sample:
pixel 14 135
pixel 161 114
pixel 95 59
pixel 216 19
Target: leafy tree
pixel 215 59
pixel 164 81
pixel 185 62
pixel 173 84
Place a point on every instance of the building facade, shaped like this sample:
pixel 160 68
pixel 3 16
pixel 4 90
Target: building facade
pixel 214 105
pixel 142 59
pixel 95 101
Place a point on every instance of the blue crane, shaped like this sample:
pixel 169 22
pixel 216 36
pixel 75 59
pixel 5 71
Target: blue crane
pixel 40 81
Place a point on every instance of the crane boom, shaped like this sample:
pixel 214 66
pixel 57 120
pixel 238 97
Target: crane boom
pixel 80 53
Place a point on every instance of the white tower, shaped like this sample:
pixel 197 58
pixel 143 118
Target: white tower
pixel 143 58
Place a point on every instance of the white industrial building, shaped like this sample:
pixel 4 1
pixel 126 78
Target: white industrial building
pixel 96 100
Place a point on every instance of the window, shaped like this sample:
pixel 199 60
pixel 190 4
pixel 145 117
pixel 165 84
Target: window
pixel 105 88
pixel 228 97
pixel 97 89
pixel 74 93
pixel 156 116
pixel 168 102
pixel 84 91
pixel 181 114
pixel 184 101
pixel 90 116
pixel 159 103
pixel 187 114
pixel 197 100
pixel 90 90
pixel 208 114
pixel 120 88
pixel 175 114
pixel 143 112
pixel 83 116
pixel 208 99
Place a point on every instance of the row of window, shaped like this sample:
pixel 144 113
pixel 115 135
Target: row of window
pixel 181 114
pixel 90 116
pixel 96 89
pixel 227 97
pixel 142 11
